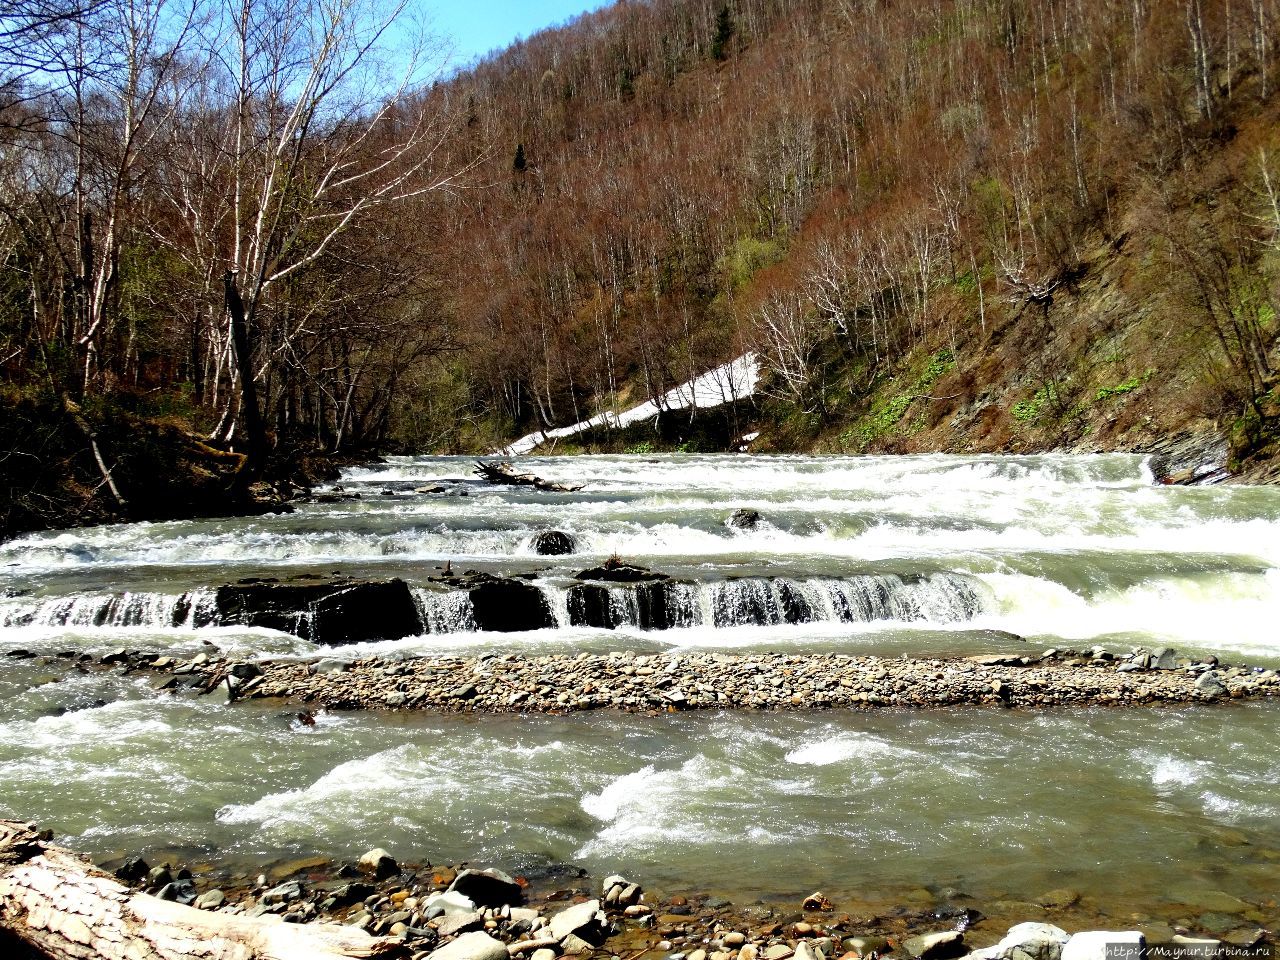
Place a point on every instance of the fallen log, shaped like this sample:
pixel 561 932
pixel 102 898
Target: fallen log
pixel 63 908
pixel 505 474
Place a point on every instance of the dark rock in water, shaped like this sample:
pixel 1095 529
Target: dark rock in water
pixel 159 876
pixel 618 572
pixel 381 610
pixel 20 654
pixel 509 605
pixel 133 870
pixel 330 612
pixel 488 888
pixel 351 893
pixel 179 891
pixel 743 519
pixel 553 543
pixel 650 606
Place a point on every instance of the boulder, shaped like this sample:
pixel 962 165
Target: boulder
pixel 591 605
pixel 380 863
pixel 331 612
pixel 583 920
pixel 179 891
pixel 471 946
pixel 1209 684
pixel 1027 941
pixel 553 543
pixel 133 870
pixel 935 946
pixel 507 605
pixel 743 519
pixel 488 888
pixel 379 610
pixel 211 900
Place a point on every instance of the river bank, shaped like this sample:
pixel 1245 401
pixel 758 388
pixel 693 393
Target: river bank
pixel 378 906
pixel 628 682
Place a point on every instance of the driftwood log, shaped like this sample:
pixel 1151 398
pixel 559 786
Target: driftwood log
pixel 54 902
pixel 505 473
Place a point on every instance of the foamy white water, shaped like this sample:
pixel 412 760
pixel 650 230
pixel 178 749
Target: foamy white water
pixel 902 556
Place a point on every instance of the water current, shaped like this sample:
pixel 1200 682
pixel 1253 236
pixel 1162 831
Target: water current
pixel 911 556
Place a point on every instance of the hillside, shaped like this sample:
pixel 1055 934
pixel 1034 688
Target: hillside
pixel 951 225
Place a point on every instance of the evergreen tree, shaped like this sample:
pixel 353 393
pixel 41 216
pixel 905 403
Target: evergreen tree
pixel 724 33
pixel 519 163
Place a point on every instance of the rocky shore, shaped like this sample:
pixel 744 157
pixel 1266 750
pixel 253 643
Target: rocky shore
pixel 462 913
pixel 629 682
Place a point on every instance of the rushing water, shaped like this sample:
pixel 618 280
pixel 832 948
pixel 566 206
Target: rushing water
pixel 914 556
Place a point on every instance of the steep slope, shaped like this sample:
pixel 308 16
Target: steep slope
pixel 947 225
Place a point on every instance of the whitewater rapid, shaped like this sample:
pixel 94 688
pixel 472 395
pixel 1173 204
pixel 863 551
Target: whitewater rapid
pixel 907 556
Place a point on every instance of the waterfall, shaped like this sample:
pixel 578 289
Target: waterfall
pixel 129 609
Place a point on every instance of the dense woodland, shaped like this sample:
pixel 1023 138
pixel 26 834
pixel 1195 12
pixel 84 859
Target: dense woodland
pixel 971 224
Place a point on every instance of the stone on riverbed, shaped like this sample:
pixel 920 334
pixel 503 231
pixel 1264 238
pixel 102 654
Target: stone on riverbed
pixel 380 863
pixel 487 888
pixel 584 920
pixel 472 946
pixel 935 946
pixel 1027 941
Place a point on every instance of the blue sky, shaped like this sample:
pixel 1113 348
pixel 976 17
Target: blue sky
pixel 479 26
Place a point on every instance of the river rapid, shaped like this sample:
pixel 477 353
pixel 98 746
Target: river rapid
pixel 1158 811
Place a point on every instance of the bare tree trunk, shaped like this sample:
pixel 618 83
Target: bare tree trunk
pixel 63 908
pixel 249 409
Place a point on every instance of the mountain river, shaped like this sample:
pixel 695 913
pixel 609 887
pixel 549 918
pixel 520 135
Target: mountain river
pixel 1156 811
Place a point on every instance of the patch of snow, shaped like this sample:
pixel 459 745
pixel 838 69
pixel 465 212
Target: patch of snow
pixel 724 384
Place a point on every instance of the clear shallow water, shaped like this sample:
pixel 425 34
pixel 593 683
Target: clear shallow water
pixel 1057 550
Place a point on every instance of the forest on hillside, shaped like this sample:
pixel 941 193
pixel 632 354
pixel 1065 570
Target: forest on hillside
pixel 978 224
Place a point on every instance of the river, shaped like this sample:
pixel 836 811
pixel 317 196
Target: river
pixel 1146 809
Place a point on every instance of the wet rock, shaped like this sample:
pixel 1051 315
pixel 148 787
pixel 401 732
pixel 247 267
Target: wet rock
pixel 1027 941
pixel 453 923
pixel 1164 658
pixel 350 893
pixel 553 543
pixel 488 888
pixel 472 946
pixel 584 920
pixel 935 946
pixel 1060 899
pixel 133 870
pixel 285 893
pixel 508 605
pixel 159 876
pixel 816 901
pixel 179 891
pixel 211 900
pixel 619 572
pixel 1209 684
pixel 331 612
pixel 743 519
pixel 1104 945
pixel 380 863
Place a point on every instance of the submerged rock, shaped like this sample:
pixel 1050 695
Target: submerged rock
pixel 553 543
pixel 743 519
pixel 471 946
pixel 615 571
